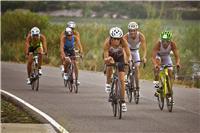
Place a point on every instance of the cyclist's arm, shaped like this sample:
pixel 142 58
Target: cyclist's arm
pixel 78 44
pixel 126 48
pixel 44 43
pixel 143 45
pixel 106 49
pixel 62 34
pixel 175 51
pixel 154 53
pixel 76 33
pixel 27 44
pixel 126 36
pixel 62 41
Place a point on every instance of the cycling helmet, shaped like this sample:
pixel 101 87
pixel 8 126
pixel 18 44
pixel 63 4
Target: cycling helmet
pixel 166 35
pixel 116 32
pixel 35 31
pixel 68 31
pixel 71 24
pixel 133 26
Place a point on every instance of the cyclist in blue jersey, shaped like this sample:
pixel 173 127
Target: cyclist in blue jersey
pixel 68 43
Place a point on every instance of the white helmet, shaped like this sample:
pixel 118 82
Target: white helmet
pixel 68 31
pixel 71 24
pixel 133 26
pixel 35 31
pixel 116 32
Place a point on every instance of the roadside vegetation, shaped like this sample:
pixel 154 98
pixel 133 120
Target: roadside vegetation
pixel 10 113
pixel 16 24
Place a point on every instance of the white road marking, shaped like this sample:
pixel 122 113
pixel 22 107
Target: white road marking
pixel 51 120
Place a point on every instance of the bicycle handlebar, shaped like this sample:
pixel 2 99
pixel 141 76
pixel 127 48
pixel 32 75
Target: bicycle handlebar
pixel 134 62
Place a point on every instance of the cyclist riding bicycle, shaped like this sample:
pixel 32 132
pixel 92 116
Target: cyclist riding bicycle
pixel 161 56
pixel 34 41
pixel 136 39
pixel 68 44
pixel 115 49
pixel 72 25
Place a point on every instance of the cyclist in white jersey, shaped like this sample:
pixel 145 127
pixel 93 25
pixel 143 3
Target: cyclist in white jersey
pixel 161 55
pixel 136 39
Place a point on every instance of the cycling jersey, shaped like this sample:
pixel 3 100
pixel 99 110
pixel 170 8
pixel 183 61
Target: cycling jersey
pixel 35 45
pixel 164 54
pixel 69 46
pixel 134 45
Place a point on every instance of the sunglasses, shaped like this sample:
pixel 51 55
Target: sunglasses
pixel 132 30
pixel 116 39
pixel 36 35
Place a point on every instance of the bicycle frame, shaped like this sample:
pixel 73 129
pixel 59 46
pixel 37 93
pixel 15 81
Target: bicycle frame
pixel 162 74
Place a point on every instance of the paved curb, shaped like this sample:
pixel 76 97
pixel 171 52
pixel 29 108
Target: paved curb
pixel 34 111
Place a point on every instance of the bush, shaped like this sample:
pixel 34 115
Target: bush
pixel 16 24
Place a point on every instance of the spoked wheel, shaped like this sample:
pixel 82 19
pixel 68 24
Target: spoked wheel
pixel 161 100
pixel 169 100
pixel 37 84
pixel 114 107
pixel 129 94
pixel 136 96
pixel 69 84
pixel 35 81
pixel 169 97
pixel 65 83
pixel 75 85
pixel 119 106
pixel 129 91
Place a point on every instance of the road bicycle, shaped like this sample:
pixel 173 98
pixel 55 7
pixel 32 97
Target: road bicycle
pixel 115 94
pixel 71 82
pixel 165 88
pixel 34 78
pixel 131 90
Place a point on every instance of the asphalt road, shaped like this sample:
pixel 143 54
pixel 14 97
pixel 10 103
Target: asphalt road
pixel 89 112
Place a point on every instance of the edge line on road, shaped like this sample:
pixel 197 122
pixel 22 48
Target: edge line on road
pixel 47 117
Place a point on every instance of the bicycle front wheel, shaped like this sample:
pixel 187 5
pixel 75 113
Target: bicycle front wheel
pixel 169 96
pixel 119 109
pixel 161 100
pixel 129 89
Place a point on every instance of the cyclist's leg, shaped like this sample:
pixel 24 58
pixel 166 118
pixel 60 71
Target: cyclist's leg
pixel 29 64
pixel 39 49
pixel 136 57
pixel 30 61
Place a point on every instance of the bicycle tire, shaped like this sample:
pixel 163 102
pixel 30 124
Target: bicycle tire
pixel 169 96
pixel 69 84
pixel 136 96
pixel 161 100
pixel 76 87
pixel 37 84
pixel 65 83
pixel 113 103
pixel 119 103
pixel 169 103
pixel 129 91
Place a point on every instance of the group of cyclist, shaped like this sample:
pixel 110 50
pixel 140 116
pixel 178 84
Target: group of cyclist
pixel 116 48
